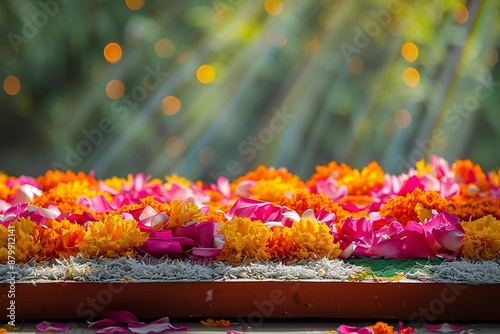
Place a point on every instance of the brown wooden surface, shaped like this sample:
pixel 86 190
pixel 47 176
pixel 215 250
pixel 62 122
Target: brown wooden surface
pixel 254 301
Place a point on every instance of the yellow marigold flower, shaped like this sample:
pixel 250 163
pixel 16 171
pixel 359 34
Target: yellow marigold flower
pixel 181 213
pixel 382 328
pixel 114 237
pixel 117 183
pixel 272 190
pixel 27 240
pixel 364 181
pixel 482 238
pixel 61 239
pixel 404 207
pixel 331 170
pixel 3 244
pixel 244 239
pixel 53 178
pixel 174 178
pixel 311 240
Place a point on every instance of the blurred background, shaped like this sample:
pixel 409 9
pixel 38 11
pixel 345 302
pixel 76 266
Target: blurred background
pixel 204 88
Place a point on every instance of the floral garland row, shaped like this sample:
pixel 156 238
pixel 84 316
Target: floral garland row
pixel 433 210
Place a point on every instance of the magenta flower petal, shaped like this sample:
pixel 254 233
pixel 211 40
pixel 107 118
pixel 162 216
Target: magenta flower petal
pixel 344 329
pixel 120 316
pixel 158 247
pixel 189 231
pixel 206 252
pixel 46 326
pixel 444 328
pixel 389 249
pixel 158 326
pixel 205 231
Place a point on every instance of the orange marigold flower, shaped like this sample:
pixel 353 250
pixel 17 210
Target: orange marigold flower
pixel 302 200
pixel 60 239
pixel 244 239
pixel 280 248
pixel 472 208
pixel 404 208
pixel 114 237
pixel 7 192
pixel 357 182
pixel 482 238
pixel 52 178
pixel 65 196
pixel 267 173
pixel 382 328
pixel 466 171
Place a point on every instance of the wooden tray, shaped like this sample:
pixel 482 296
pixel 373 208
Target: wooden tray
pixel 253 301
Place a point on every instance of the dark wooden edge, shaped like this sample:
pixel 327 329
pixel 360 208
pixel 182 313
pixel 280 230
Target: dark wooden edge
pixel 253 301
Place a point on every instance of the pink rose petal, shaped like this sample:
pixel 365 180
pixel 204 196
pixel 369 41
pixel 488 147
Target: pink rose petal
pixel 46 326
pixel 120 316
pixel 344 329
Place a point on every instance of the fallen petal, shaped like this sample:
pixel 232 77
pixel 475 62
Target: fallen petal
pixel 120 316
pixel 46 326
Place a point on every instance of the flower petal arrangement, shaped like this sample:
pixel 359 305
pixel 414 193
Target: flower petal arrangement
pixel 435 210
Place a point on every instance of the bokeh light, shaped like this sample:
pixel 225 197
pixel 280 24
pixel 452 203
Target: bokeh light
pixel 411 77
pixel 205 74
pixel 273 7
pixel 460 13
pixel 356 66
pixel 409 52
pixel 278 38
pixel 164 48
pixel 134 4
pixel 175 147
pixel 402 118
pixel 12 85
pixel 115 89
pixel 171 105
pixel 206 157
pixel 113 52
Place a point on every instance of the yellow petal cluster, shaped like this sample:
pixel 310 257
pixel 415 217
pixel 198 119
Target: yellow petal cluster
pixel 482 238
pixel 112 238
pixel 27 240
pixel 244 239
pixel 311 240
pixel 181 213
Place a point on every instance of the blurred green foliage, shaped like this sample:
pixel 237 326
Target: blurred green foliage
pixel 298 83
